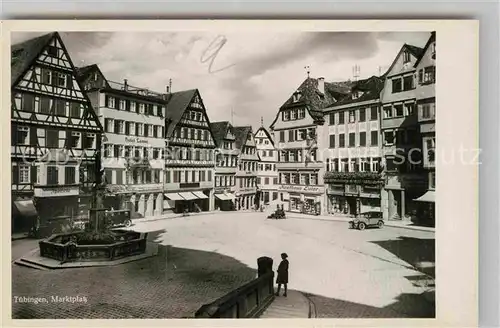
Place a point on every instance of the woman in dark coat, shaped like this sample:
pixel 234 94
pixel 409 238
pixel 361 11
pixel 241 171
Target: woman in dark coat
pixel 282 277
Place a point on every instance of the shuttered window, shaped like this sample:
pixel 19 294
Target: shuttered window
pixel 69 175
pixel 52 175
pixel 332 141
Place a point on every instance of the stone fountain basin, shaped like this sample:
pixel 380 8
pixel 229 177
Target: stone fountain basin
pixel 126 243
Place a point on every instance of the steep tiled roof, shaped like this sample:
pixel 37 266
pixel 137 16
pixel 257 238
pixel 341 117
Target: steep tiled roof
pixel 414 50
pixel 177 103
pixel 371 88
pixel 432 38
pixel 24 53
pixel 219 130
pixel 266 132
pixel 241 134
pixel 85 71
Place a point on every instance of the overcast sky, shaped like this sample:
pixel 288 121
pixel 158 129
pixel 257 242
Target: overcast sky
pixel 251 74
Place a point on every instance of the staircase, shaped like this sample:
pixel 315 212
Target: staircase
pixel 30 264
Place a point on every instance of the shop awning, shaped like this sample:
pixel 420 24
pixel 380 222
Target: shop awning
pixel 221 196
pixel 200 195
pixel 427 197
pixel 230 196
pixel 167 205
pixel 174 196
pixel 188 195
pixel 26 208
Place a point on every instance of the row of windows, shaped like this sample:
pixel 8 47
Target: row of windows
pixel 400 137
pixel 298 134
pixel 135 106
pixel 25 173
pixel 247 166
pixel 187 176
pixel 24 135
pixel 225 181
pixel 266 181
pixel 227 145
pixel 361 138
pixel 246 182
pixel 226 161
pixel 194 115
pixel 353 165
pixel 293 114
pixel 122 151
pixel 121 176
pixel 339 117
pixel 45 105
pixel 249 150
pixel 426 75
pixel 297 155
pixel 263 141
pixel 399 110
pixel 133 128
pixel 266 153
pixel 191 133
pixel 299 178
pixel 427 110
pixel 267 167
pixel 187 153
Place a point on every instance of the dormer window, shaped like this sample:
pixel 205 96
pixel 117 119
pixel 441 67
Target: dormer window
pixel 296 96
pixel 406 56
pixel 355 95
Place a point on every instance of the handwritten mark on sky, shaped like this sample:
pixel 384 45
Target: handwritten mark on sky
pixel 212 51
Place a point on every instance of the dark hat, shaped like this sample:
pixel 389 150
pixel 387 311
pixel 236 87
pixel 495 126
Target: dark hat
pixel 284 255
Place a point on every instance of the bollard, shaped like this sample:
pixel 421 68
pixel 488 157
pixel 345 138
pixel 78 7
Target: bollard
pixel 265 265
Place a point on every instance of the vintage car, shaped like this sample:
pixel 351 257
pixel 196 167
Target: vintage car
pixel 367 219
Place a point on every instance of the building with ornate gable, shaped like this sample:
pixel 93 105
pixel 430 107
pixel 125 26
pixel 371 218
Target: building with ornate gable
pixel 267 174
pixel 56 135
pixel 300 139
pixel 246 175
pixel 189 158
pixel 226 158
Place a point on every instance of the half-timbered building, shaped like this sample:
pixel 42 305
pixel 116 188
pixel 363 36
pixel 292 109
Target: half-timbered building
pixel 226 158
pixel 134 128
pixel 267 175
pixel 246 175
pixel 55 134
pixel 189 158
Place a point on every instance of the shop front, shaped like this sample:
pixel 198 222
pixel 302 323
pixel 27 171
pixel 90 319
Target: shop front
pixel 302 199
pixel 187 201
pixel 24 215
pixel 225 201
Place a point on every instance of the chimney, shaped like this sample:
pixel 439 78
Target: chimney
pixel 321 85
pixel 167 89
pixel 125 84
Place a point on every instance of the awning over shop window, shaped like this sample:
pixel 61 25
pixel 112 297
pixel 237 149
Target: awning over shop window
pixel 188 195
pixel 200 195
pixel 26 208
pixel 167 204
pixel 428 197
pixel 230 196
pixel 174 196
pixel 221 196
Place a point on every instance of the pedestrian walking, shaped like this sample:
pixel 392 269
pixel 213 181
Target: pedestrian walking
pixel 282 278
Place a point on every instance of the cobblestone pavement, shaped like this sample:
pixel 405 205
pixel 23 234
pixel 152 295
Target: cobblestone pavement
pixel 141 289
pixel 374 268
pixel 347 273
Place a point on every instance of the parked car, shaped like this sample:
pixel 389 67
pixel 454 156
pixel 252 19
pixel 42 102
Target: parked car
pixel 367 219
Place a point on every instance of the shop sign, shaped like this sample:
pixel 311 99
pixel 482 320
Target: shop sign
pixel 136 140
pixel 56 191
pixel 295 188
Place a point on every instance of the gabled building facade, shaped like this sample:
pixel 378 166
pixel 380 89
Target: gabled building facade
pixel 352 175
pixel 401 139
pixel 226 159
pixel 267 174
pixel 426 108
pixel 246 175
pixel 298 129
pixel 56 135
pixel 132 152
pixel 190 160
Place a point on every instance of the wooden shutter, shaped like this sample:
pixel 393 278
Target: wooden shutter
pixel 33 136
pixel 15 174
pixel 69 81
pixel 13 134
pixel 127 105
pixel 290 135
pixel 33 174
pixel 117 103
pixel 106 101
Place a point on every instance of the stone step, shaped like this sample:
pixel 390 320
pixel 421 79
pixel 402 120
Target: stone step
pixel 31 265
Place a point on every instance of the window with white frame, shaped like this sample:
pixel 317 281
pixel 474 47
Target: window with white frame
pixel 389 137
pixel 110 127
pixel 409 109
pixel 62 80
pixel 142 108
pixel 122 104
pixel 75 139
pixel 293 114
pixel 301 113
pixel 140 129
pixel 89 141
pixel 23 135
pixel 133 106
pixel 286 115
pixel 24 173
pixel 352 116
pixel 111 102
pixel 387 111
